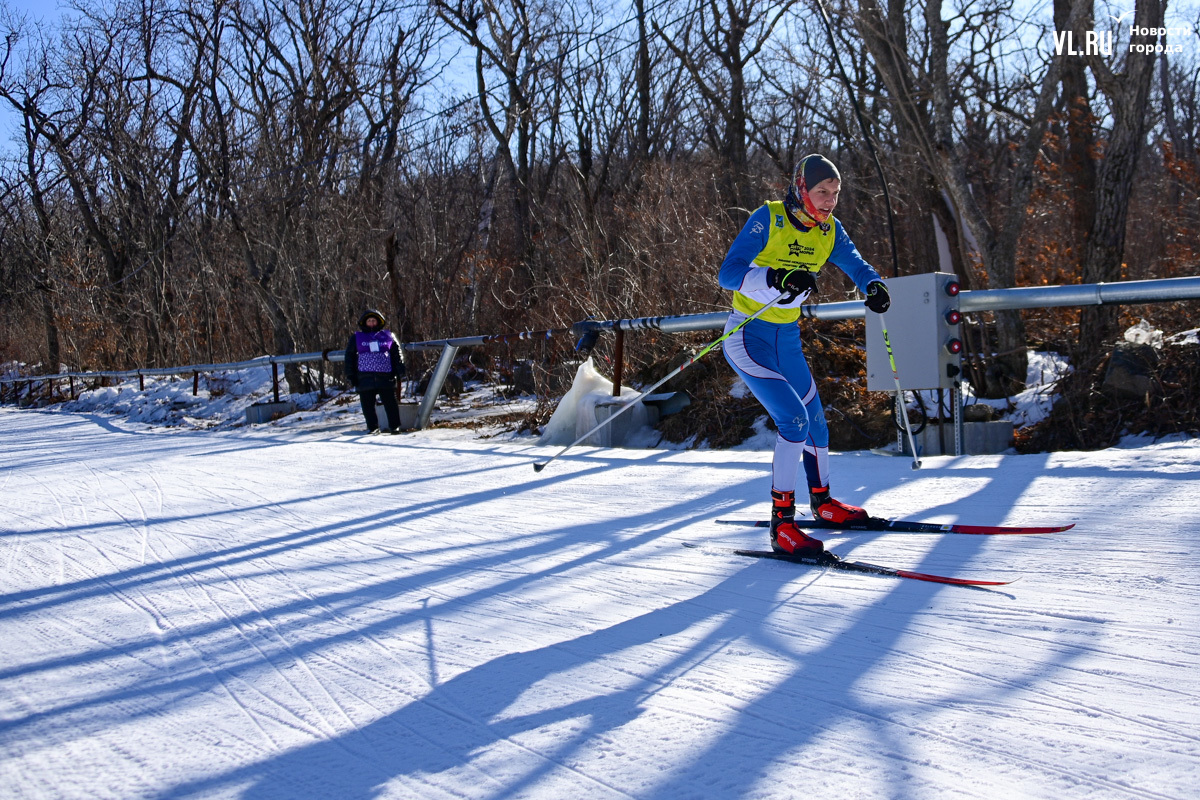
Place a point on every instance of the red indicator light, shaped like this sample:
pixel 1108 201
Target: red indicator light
pixel 952 288
pixel 953 317
pixel 954 347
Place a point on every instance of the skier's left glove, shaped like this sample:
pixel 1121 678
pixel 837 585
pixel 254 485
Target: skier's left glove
pixel 878 299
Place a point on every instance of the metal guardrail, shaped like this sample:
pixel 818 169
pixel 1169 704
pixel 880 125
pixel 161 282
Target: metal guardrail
pixel 1162 290
pixel 449 348
pixel 1125 292
pixel 1117 293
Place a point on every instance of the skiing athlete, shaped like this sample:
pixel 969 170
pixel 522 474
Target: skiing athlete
pixel 780 251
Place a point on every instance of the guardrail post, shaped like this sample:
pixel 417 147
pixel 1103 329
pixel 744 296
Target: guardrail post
pixel 71 383
pixel 141 382
pixel 435 384
pixel 195 384
pixel 618 362
pixel 321 373
pixel 959 431
pixel 275 380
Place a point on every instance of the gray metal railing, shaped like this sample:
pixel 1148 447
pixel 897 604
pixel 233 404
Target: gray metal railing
pixel 1162 290
pixel 1117 293
pixel 1122 293
pixel 449 349
pixel 1125 292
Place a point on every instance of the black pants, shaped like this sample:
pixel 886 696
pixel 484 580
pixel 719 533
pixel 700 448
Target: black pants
pixel 388 397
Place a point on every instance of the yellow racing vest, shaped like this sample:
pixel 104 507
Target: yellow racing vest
pixel 787 247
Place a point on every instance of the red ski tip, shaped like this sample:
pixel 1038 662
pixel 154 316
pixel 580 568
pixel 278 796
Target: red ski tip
pixel 992 530
pixel 921 576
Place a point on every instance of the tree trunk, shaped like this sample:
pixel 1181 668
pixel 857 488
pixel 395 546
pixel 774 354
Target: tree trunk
pixel 642 139
pixel 1081 138
pixel 53 347
pixel 1129 95
pixel 401 322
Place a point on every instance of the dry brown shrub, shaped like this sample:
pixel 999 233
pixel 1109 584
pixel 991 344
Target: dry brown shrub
pixel 1087 417
pixel 714 417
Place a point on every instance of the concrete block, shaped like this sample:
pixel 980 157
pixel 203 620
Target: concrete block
pixel 979 438
pixel 265 412
pixel 617 432
pixel 408 416
pixel 668 403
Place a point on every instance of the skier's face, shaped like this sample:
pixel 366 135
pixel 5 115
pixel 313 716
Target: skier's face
pixel 825 195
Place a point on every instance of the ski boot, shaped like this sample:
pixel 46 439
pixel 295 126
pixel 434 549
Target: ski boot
pixel 825 507
pixel 785 536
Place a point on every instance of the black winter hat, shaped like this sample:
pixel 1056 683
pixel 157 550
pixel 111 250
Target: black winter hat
pixel 817 168
pixel 810 170
pixel 371 312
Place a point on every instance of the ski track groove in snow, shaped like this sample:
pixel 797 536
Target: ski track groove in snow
pixel 1058 703
pixel 240 622
pixel 1016 758
pixel 328 617
pixel 270 659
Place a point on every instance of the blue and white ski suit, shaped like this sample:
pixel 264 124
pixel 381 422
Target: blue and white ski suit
pixel 766 352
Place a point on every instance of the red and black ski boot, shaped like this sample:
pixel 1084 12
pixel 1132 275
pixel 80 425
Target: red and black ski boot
pixel 825 507
pixel 785 536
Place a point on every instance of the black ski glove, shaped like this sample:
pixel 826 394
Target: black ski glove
pixel 878 299
pixel 794 281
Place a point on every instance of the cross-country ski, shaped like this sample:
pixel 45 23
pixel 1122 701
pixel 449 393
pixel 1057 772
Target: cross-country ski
pixel 905 526
pixel 831 561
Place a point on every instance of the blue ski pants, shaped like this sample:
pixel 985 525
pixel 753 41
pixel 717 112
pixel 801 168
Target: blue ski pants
pixel 769 358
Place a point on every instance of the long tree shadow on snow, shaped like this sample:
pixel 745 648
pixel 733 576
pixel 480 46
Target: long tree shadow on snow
pixel 469 732
pixel 440 737
pixel 226 651
pixel 463 738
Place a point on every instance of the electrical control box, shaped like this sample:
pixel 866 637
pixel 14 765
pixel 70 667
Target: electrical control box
pixel 923 327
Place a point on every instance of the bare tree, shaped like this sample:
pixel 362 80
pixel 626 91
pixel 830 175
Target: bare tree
pixel 518 49
pixel 929 98
pixel 294 145
pixel 113 104
pixel 717 43
pixel 1127 93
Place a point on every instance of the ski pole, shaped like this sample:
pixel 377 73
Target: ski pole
pixel 916 464
pixel 672 374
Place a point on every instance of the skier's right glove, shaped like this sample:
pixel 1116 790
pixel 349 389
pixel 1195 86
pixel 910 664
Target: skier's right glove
pixel 792 281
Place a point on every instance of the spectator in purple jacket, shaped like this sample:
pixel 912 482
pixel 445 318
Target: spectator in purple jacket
pixel 374 362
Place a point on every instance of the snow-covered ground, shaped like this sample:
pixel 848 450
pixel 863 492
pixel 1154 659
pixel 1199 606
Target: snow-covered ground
pixel 298 610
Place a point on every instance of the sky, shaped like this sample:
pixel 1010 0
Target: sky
pixel 45 11
pixel 1183 15
pixel 37 9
